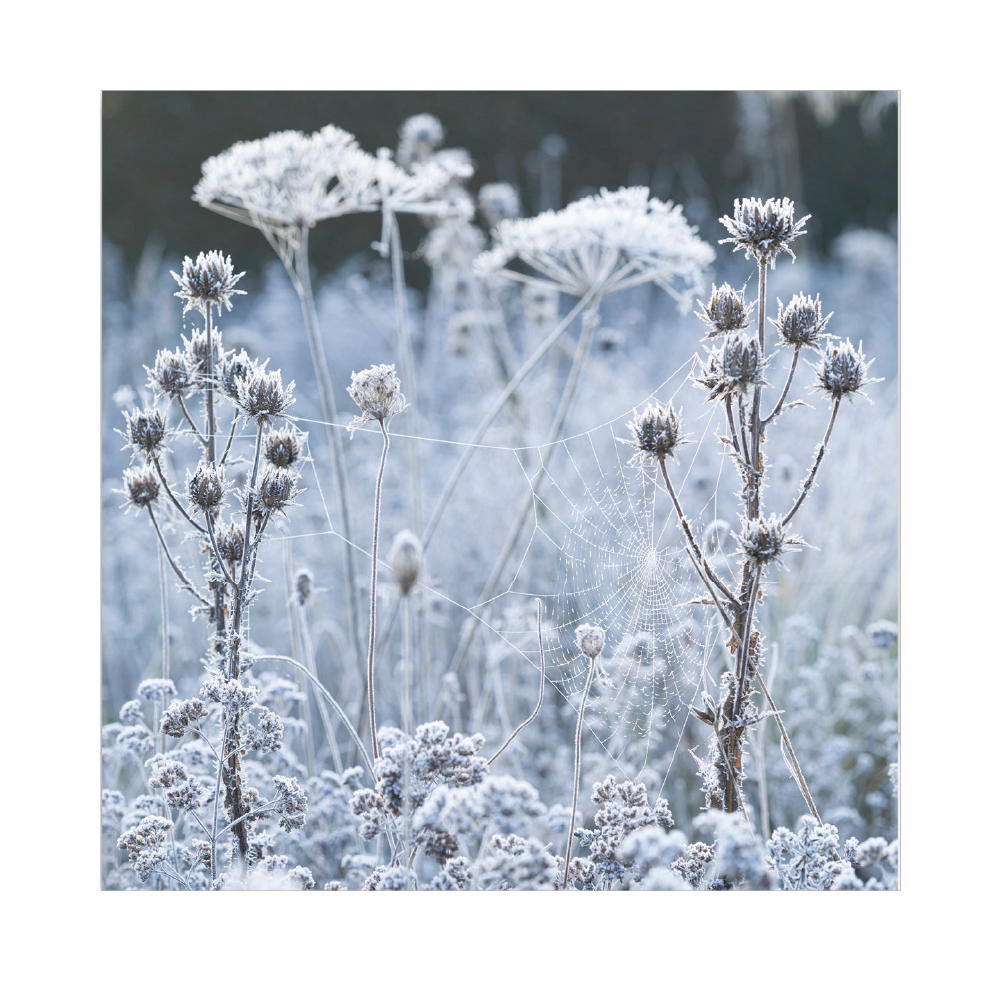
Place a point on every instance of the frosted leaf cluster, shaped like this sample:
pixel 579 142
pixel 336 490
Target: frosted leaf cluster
pixel 608 241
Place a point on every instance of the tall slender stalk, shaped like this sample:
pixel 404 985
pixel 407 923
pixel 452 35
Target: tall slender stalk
pixel 576 766
pixel 372 603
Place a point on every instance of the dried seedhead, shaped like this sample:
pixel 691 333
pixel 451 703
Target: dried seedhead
pixel 765 540
pixel 376 391
pixel 763 230
pixel 801 324
pixel 207 487
pixel 726 312
pixel 207 281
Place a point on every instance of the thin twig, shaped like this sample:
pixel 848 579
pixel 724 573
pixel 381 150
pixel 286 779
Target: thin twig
pixel 372 603
pixel 185 583
pixel 576 769
pixel 808 482
pixel 785 390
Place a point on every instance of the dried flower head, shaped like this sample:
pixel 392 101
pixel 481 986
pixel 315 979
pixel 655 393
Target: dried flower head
pixel 231 540
pixel 405 558
pixel 207 487
pixel 499 201
pixel 765 540
pixel 145 845
pixel 656 432
pixel 171 374
pixel 590 639
pixel 734 368
pixel 261 395
pixel 207 281
pixel 420 136
pixel 763 230
pixel 376 390
pixel 142 485
pixel 284 448
pixel 156 689
pixel 144 431
pixel 277 490
pixel 180 716
pixel 726 311
pixel 841 371
pixel 801 324
pixel 608 241
pixel 234 366
pixel 197 350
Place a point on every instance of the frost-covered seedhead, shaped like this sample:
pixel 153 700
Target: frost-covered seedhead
pixel 883 633
pixel 197 350
pixel 590 639
pixel 207 487
pixel 145 431
pixel 234 366
pixel 260 395
pixel 734 368
pixel 656 432
pixel 269 733
pixel 145 845
pixel 608 241
pixel 801 324
pixel 806 859
pixel 230 693
pixel 765 540
pixel 517 864
pixel 499 201
pixel 172 374
pixel 376 391
pixel 291 807
pixel 181 716
pixel 141 486
pixel 284 448
pixel 230 540
pixel 726 311
pixel 156 689
pixel 405 558
pixel 841 371
pixel 207 281
pixel 763 230
pixel 286 179
pixel 276 491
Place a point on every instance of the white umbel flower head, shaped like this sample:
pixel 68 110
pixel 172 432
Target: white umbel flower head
pixel 608 242
pixel 376 390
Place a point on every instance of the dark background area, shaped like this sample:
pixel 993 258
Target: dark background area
pixel 834 153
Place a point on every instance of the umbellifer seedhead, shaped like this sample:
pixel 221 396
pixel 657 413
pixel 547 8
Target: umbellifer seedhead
pixel 590 639
pixel 376 390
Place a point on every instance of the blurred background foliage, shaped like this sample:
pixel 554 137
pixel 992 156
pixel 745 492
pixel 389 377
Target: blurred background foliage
pixel 834 152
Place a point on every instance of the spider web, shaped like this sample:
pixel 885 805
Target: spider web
pixel 602 546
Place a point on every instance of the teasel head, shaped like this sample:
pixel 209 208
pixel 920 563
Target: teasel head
pixel 763 230
pixel 765 540
pixel 406 555
pixel 235 365
pixel 141 486
pixel 207 281
pixel 207 487
pixel 841 372
pixel 172 374
pixel 734 368
pixel 276 491
pixel 801 324
pixel 590 639
pixel 656 432
pixel 726 312
pixel 231 542
pixel 145 431
pixel 197 350
pixel 376 390
pixel 260 395
pixel 283 448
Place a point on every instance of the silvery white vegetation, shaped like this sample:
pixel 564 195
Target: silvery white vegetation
pixel 549 581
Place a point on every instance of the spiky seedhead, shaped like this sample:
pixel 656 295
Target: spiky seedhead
pixel 207 487
pixel 284 448
pixel 142 486
pixel 405 558
pixel 801 324
pixel 726 311
pixel 234 366
pixel 145 431
pixel 171 374
pixel 197 350
pixel 231 540
pixel 277 490
pixel 590 639
pixel 656 432
pixel 841 371
pixel 376 390
pixel 207 281
pixel 765 540
pixel 260 395
pixel 763 230
pixel 734 368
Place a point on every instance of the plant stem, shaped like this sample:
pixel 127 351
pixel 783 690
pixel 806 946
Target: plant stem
pixel 171 495
pixel 372 604
pixel 185 583
pixel 808 482
pixel 785 390
pixel 576 769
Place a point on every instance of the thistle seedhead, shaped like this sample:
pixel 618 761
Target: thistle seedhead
pixel 207 487
pixel 260 395
pixel 765 540
pixel 142 486
pixel 197 350
pixel 234 366
pixel 231 541
pixel 841 371
pixel 277 490
pixel 171 374
pixel 207 281
pixel 734 368
pixel 284 448
pixel 726 312
pixel 590 639
pixel 763 230
pixel 376 390
pixel 405 558
pixel 801 324
pixel 656 432
pixel 144 431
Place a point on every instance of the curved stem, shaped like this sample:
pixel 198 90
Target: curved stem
pixel 185 583
pixel 172 496
pixel 215 549
pixel 229 440
pixel 808 482
pixel 785 389
pixel 191 421
pixel 576 770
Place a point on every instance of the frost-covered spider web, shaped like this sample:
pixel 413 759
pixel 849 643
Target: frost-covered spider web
pixel 601 545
